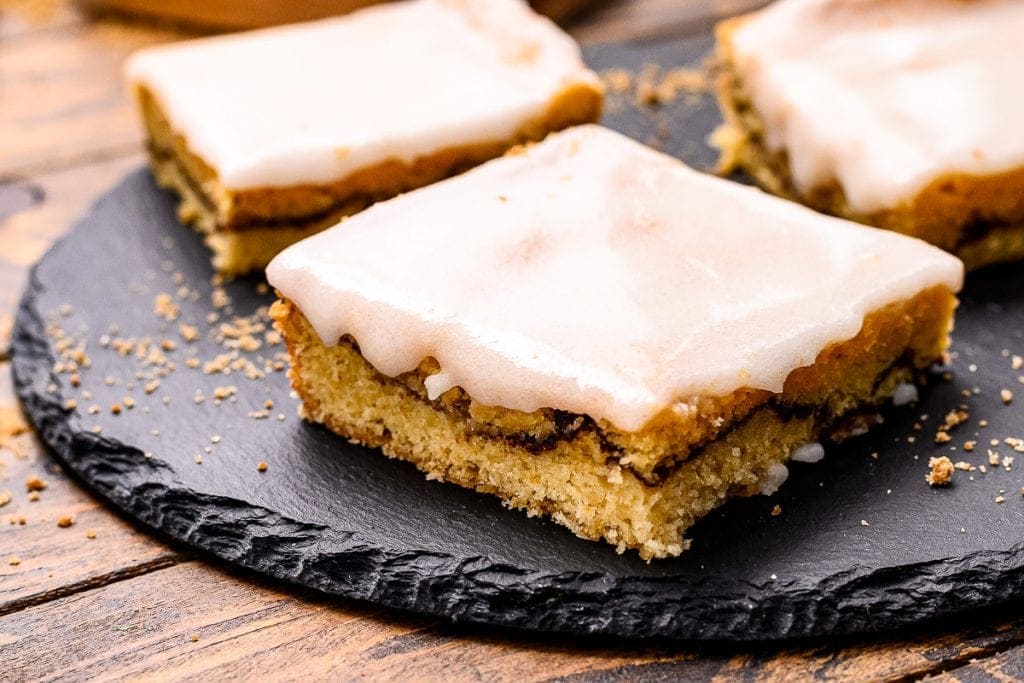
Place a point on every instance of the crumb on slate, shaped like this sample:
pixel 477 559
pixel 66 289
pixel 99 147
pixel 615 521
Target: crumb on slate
pixel 941 473
pixel 35 483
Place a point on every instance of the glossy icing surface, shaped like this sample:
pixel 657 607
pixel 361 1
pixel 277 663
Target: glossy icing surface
pixel 311 103
pixel 886 96
pixel 595 275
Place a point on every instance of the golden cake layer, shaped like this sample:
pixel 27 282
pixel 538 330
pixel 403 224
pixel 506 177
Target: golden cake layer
pixel 636 490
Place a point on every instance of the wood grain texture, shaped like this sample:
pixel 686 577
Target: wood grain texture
pixel 27 234
pixel 54 561
pixel 1006 666
pixel 145 627
pixel 22 18
pixel 63 101
pixel 652 18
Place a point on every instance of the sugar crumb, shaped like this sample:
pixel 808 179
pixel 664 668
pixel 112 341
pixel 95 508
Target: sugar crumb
pixel 941 471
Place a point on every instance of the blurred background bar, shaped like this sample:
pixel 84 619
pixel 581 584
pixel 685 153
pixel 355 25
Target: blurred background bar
pixel 241 14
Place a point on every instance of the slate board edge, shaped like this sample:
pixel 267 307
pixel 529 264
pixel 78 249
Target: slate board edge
pixel 477 589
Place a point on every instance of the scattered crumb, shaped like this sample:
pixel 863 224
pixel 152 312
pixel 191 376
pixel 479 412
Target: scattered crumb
pixel 90 533
pixel 14 560
pixel 262 467
pixel 65 521
pixel 222 393
pixel 654 87
pixel 864 522
pixel 1000 499
pixel 941 473
pixel 219 298
pixel 33 496
pixel 189 333
pixel 940 437
pixel 199 459
pixel 35 483
pixel 164 307
pixel 195 638
pixel 617 80
pixel 1006 396
pixel 116 409
pixel 5 498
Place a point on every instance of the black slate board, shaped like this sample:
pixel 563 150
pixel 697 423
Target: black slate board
pixel 346 521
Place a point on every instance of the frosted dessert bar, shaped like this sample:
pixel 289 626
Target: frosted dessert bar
pixel 904 115
pixel 270 136
pixel 595 332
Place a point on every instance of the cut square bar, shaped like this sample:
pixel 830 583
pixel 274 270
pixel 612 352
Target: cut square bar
pixel 595 332
pixel 270 136
pixel 900 115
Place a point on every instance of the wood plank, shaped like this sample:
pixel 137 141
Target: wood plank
pixel 1005 666
pixel 52 561
pixel 23 18
pixel 143 627
pixel 653 18
pixel 27 234
pixel 63 100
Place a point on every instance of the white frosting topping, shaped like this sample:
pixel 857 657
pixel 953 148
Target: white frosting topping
pixel 311 103
pixel 809 452
pixel 595 275
pixel 886 96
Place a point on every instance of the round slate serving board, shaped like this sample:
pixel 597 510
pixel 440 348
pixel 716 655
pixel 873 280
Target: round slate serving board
pixel 862 543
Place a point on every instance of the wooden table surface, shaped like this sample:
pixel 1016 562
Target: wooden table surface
pixel 103 599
